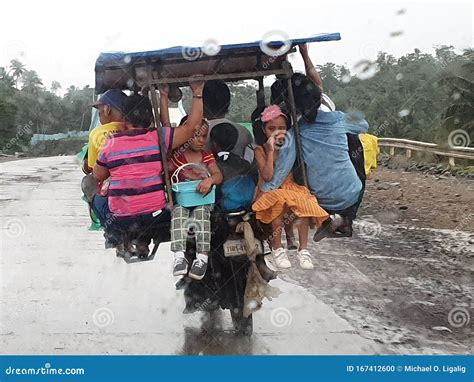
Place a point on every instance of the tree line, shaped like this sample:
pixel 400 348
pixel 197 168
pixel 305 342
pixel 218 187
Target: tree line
pixel 418 96
pixel 28 107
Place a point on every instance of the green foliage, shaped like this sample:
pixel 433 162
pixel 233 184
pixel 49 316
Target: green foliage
pixel 27 107
pixel 418 96
pixel 459 85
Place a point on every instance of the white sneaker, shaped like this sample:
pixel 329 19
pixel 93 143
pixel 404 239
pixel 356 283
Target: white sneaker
pixel 280 259
pixel 304 257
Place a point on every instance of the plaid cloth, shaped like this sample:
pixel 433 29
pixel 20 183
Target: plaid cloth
pixel 185 218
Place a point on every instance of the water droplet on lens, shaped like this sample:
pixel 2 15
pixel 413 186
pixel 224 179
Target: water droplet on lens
pixel 403 113
pixel 211 47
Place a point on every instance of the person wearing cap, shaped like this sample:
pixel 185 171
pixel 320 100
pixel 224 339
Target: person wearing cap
pixel 288 198
pixel 134 162
pixel 110 108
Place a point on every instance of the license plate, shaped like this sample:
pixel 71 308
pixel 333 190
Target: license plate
pixel 236 247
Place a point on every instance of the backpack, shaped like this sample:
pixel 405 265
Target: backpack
pixel 236 194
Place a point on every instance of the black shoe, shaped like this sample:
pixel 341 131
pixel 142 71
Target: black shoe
pixel 182 282
pixel 180 266
pixel 142 250
pixel 266 273
pixel 333 229
pixel 198 269
pixel 120 250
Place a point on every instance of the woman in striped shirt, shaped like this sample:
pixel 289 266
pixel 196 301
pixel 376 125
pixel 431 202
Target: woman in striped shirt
pixel 133 160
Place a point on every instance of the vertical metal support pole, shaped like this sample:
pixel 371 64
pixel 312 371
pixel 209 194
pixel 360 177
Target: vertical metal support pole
pixel 296 128
pixel 260 93
pixel 161 139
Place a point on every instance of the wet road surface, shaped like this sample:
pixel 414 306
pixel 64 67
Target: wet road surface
pixel 63 293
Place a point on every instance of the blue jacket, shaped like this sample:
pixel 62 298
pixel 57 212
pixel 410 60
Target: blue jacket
pixel 332 177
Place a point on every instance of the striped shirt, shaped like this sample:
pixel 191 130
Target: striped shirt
pixel 190 173
pixel 136 171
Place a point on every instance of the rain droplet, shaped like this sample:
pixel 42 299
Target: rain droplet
pixel 403 113
pixel 399 76
pixel 365 69
pixel 276 49
pixel 127 59
pixel 456 96
pixel 211 47
pixel 346 79
pixel 456 121
pixel 401 11
pixel 130 83
pixel 396 33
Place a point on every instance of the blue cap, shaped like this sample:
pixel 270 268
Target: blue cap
pixel 114 98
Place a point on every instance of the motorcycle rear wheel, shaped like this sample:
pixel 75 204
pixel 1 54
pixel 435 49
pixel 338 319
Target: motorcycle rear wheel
pixel 243 325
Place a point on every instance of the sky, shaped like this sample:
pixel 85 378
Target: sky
pixel 61 40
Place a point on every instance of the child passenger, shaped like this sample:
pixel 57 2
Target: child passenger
pixel 290 199
pixel 196 217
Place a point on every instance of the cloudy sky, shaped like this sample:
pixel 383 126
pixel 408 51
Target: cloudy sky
pixel 61 40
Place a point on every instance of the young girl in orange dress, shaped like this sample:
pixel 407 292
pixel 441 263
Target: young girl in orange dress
pixel 290 199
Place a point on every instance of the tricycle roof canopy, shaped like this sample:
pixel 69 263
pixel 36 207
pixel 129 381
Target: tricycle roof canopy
pixel 233 62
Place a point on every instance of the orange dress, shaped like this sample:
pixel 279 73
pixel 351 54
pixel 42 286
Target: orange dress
pixel 269 205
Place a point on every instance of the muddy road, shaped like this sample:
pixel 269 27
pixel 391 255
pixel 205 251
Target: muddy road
pixel 402 284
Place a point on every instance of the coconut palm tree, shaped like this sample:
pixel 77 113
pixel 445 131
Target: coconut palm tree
pixel 55 86
pixel 6 79
pixel 16 70
pixel 31 81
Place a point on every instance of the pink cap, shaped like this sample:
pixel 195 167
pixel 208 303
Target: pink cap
pixel 271 112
